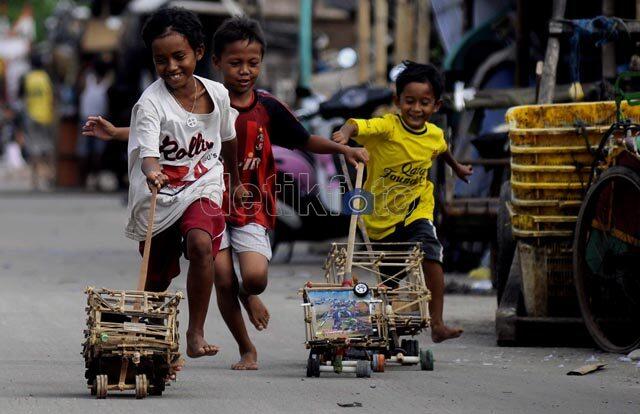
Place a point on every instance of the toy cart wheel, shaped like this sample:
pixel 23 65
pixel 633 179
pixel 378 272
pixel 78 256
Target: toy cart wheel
pixel 361 289
pixel 415 347
pixel 363 369
pixel 100 384
pixel 157 388
pixel 404 345
pixel 141 386
pixel 313 365
pixel 377 362
pixel 426 360
pixel 94 387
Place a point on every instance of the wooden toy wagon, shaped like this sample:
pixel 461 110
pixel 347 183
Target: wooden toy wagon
pixel 393 273
pixel 343 325
pixel 373 294
pixel 131 340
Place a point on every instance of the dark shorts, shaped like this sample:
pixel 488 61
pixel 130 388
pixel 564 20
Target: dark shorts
pixel 421 230
pixel 168 246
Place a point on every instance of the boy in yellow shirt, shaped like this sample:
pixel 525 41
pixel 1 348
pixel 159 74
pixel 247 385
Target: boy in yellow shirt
pixel 402 148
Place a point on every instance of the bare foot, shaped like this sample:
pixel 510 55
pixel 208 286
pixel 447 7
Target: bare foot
pixel 248 361
pixel 442 332
pixel 197 347
pixel 258 313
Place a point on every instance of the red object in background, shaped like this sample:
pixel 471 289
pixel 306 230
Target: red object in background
pixel 67 163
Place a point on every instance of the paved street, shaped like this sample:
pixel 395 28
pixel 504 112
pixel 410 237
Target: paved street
pixel 52 246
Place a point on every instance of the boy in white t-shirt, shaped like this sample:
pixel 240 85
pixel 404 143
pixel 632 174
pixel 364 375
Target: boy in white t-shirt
pixel 180 127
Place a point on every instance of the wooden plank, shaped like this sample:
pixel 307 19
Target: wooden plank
pixel 563 27
pixel 424 30
pixel 608 49
pixel 548 81
pixel 381 20
pixel 400 45
pixel 364 39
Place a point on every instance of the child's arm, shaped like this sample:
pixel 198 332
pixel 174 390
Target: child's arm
pixel 345 133
pixel 230 156
pixel 97 126
pixel 321 145
pixel 462 171
pixel 153 171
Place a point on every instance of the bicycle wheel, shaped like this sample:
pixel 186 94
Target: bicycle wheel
pixel 606 260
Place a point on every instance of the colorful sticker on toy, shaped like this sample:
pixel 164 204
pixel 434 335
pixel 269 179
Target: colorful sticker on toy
pixel 340 313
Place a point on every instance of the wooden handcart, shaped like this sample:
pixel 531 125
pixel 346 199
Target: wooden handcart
pixel 131 339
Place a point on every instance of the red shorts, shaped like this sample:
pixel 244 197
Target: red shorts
pixel 168 246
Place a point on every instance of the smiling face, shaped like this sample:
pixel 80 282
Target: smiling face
pixel 417 103
pixel 240 65
pixel 175 59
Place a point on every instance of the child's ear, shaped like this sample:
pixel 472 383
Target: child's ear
pixel 396 100
pixel 437 105
pixel 199 52
pixel 216 62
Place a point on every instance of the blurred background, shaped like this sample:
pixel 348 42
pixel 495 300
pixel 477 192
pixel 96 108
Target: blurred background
pixel 61 61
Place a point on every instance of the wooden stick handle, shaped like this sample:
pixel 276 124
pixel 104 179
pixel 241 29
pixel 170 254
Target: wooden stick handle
pixel 142 278
pixel 361 226
pixel 353 224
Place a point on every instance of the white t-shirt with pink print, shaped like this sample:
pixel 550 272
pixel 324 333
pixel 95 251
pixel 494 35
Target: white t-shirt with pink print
pixel 189 155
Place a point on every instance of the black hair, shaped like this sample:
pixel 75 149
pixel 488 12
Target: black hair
pixel 176 19
pixel 418 72
pixel 237 28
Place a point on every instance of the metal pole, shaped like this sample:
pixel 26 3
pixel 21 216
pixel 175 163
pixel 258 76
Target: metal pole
pixel 305 46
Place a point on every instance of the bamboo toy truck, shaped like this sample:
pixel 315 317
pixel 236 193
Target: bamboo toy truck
pixel 353 323
pixel 131 339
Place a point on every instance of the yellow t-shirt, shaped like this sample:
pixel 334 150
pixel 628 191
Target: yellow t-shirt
pixel 397 172
pixel 39 96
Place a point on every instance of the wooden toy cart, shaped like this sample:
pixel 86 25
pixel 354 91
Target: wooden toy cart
pixel 393 272
pixel 384 298
pixel 343 327
pixel 131 340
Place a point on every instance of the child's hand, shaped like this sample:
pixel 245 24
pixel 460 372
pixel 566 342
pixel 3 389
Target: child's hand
pixel 340 137
pixel 240 194
pixel 355 155
pixel 97 126
pixel 463 172
pixel 156 179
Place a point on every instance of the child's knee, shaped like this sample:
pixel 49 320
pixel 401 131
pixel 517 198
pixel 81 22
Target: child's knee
pixel 226 285
pixel 198 245
pixel 254 283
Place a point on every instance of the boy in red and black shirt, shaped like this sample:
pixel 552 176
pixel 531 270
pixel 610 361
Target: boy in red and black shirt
pixel 239 47
pixel 263 123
